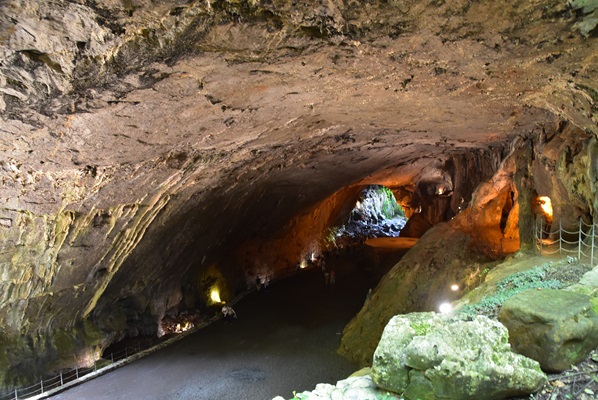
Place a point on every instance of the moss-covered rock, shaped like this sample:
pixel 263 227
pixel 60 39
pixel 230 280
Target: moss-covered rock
pixel 557 328
pixel 452 358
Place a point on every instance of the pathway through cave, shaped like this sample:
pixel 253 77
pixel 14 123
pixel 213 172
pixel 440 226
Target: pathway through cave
pixel 285 339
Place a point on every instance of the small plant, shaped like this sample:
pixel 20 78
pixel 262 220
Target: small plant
pixel 331 235
pixel 534 278
pixel 390 207
pixel 298 396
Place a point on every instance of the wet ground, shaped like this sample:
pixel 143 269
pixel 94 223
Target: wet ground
pixel 285 339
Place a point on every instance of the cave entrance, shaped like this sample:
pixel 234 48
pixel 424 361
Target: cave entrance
pixel 376 214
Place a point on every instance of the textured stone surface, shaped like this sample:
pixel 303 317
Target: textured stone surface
pixel 557 328
pixel 352 388
pixel 588 285
pixel 150 148
pixel 434 356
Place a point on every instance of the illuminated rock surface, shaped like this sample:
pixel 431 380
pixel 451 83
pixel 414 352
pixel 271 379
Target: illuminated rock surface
pixel 352 388
pixel 434 356
pixel 152 150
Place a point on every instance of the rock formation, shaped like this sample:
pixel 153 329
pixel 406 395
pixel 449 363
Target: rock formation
pixel 152 150
pixel 434 356
pixel 557 328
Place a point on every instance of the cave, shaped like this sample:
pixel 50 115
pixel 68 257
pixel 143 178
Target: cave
pixel 161 158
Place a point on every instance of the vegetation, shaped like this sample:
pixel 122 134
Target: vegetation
pixel 390 207
pixel 331 235
pixel 581 381
pixel 538 277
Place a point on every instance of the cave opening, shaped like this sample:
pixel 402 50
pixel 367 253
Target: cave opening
pixel 163 160
pixel 376 214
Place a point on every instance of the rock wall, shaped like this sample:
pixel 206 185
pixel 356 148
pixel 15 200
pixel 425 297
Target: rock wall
pixel 458 251
pixel 142 143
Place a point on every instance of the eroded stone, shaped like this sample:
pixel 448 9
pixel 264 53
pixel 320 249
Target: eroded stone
pixel 433 356
pixel 352 388
pixel 557 328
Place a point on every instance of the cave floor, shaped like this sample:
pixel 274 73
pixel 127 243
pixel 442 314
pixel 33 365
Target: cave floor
pixel 285 339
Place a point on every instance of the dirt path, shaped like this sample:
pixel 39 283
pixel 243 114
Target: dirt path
pixel 285 339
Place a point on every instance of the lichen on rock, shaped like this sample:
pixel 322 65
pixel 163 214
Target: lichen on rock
pixel 352 388
pixel 453 358
pixel 557 328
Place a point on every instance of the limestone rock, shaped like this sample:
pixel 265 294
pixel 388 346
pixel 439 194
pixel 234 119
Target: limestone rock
pixel 555 327
pixel 144 141
pixel 352 388
pixel 588 285
pixel 433 356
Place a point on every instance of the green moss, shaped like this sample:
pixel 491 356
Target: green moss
pixel 68 341
pixel 64 344
pixel 420 328
pixel 7 344
pixel 538 277
pixel 594 301
pixel 390 207
pixel 92 334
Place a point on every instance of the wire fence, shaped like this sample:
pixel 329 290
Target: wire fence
pixel 580 242
pixel 67 376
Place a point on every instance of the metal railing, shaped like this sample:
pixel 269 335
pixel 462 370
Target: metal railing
pixel 70 377
pixel 67 376
pixel 580 243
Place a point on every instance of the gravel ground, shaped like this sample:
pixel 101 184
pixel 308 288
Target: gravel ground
pixel 578 383
pixel 285 339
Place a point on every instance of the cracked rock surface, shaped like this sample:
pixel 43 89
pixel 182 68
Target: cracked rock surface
pixel 148 148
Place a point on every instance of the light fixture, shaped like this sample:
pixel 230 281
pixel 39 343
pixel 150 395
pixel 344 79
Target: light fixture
pixel 455 287
pixel 546 205
pixel 215 295
pixel 445 308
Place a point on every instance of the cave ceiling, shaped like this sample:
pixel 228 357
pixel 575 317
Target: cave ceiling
pixel 150 134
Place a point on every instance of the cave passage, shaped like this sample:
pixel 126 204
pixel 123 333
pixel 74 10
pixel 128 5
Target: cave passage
pixel 285 339
pixel 376 214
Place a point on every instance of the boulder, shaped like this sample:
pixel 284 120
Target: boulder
pixel 557 328
pixel 588 285
pixel 436 356
pixel 353 388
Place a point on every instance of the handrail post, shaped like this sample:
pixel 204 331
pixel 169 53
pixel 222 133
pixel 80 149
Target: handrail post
pixel 541 236
pixel 560 238
pixel 536 234
pixel 16 395
pixel 579 243
pixel 112 357
pixel 77 372
pixel 592 252
pixel 41 384
pixel 61 381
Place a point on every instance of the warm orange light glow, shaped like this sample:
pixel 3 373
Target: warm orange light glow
pixel 546 205
pixel 215 295
pixel 303 264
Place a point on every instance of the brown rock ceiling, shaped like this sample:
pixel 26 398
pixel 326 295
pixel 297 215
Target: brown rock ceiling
pixel 145 141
